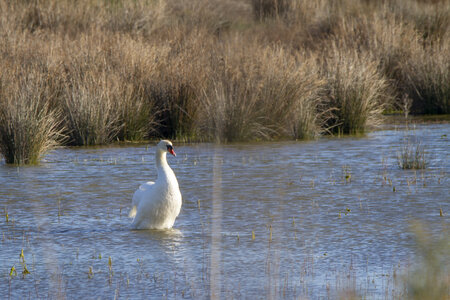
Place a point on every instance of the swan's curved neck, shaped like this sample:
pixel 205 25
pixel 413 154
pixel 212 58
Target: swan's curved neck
pixel 161 164
pixel 161 160
pixel 165 172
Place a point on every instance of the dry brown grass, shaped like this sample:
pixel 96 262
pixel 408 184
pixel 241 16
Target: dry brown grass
pixel 29 127
pixel 425 77
pixel 227 70
pixel 262 93
pixel 357 90
pixel 264 9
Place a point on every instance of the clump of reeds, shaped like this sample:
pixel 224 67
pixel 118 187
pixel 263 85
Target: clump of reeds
pixel 412 155
pixel 356 90
pixel 260 97
pixel 110 97
pixel 133 70
pixel 426 79
pixel 227 117
pixel 178 82
pixel 90 111
pixel 132 74
pixel 137 113
pixel 29 127
pixel 292 94
pixel 430 19
pixel 413 52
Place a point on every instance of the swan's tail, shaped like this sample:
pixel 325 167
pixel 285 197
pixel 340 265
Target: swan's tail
pixel 132 212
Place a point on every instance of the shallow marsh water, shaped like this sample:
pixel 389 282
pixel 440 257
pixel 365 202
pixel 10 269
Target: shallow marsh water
pixel 266 220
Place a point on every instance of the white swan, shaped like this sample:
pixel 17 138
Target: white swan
pixel 156 205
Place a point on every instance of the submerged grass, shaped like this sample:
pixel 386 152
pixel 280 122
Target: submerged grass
pixel 234 70
pixel 412 154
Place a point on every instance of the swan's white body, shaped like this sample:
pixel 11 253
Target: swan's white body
pixel 156 205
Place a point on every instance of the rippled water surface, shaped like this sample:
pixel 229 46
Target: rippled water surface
pixel 267 220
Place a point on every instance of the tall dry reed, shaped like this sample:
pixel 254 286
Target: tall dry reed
pixel 29 127
pixel 262 93
pixel 413 52
pixel 425 77
pixel 356 90
pixel 91 113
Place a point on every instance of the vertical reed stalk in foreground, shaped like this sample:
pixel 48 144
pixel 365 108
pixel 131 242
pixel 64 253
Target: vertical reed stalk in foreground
pixel 429 277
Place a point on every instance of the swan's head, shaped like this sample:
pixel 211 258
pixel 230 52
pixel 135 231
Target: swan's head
pixel 166 146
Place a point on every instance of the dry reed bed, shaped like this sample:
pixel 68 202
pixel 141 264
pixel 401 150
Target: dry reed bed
pixel 217 70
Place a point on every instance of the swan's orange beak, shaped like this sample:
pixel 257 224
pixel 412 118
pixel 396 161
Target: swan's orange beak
pixel 170 150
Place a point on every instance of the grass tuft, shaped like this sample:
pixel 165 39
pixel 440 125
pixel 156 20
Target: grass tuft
pixel 411 155
pixel 356 90
pixel 29 127
pixel 426 79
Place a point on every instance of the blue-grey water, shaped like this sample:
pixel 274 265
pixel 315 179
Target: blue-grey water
pixel 310 220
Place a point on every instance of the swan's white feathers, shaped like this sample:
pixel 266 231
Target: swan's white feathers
pixel 146 186
pixel 137 197
pixel 155 205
